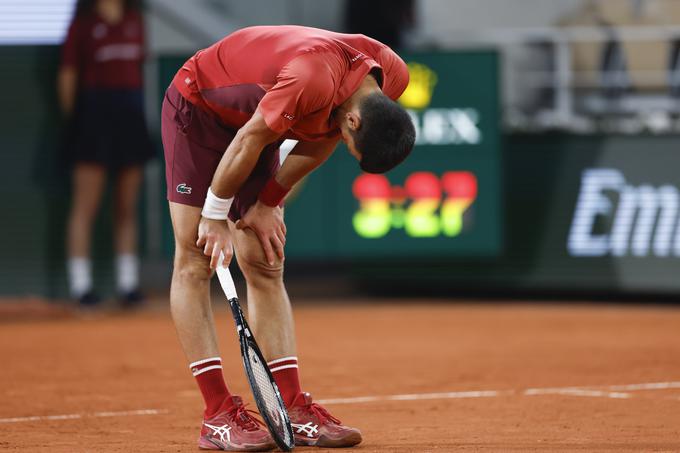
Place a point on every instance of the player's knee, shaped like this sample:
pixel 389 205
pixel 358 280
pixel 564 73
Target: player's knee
pixel 191 265
pixel 256 270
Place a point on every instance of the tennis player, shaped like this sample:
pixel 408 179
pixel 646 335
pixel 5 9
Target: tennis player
pixel 224 116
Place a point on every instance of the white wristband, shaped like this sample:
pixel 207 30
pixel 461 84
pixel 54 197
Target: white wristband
pixel 216 208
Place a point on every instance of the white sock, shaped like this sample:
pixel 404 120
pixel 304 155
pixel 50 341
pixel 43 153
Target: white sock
pixel 127 272
pixel 79 276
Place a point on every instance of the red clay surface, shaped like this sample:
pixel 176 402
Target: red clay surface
pixel 118 363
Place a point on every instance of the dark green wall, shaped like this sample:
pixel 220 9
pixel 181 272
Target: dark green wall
pixel 35 180
pixel 32 178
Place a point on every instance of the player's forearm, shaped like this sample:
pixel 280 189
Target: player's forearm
pixel 295 168
pixel 67 82
pixel 241 156
pixel 304 159
pixel 237 163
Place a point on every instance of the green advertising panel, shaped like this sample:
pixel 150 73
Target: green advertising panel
pixel 443 201
pixel 583 215
pixel 606 212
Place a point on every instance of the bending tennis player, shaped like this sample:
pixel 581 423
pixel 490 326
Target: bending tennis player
pixel 224 116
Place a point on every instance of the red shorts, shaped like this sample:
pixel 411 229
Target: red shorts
pixel 194 141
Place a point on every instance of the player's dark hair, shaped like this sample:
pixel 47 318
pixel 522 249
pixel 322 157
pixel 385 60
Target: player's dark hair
pixel 386 135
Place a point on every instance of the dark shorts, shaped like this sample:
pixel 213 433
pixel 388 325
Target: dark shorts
pixel 109 128
pixel 194 141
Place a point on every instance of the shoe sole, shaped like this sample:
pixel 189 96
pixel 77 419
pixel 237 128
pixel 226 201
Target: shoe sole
pixel 207 444
pixel 326 442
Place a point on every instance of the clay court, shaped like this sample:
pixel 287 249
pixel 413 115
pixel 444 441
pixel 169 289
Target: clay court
pixel 415 376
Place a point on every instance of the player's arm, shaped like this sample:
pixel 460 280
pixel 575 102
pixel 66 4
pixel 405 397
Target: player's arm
pixel 265 217
pixel 234 168
pixel 395 73
pixel 303 159
pixel 241 156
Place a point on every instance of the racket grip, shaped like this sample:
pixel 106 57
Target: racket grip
pixel 226 281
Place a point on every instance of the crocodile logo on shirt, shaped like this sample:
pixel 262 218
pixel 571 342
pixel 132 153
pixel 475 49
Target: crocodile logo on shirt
pixel 183 188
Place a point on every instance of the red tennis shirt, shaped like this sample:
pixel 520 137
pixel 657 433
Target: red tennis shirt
pixel 296 76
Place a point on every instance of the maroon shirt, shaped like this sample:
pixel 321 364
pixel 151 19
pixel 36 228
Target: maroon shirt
pixel 106 55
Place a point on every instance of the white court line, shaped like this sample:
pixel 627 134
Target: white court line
pixel 566 391
pixel 577 392
pixel 417 396
pixel 647 386
pixel 613 391
pixel 39 418
pixel 36 418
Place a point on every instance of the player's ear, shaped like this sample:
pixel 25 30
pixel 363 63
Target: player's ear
pixel 353 121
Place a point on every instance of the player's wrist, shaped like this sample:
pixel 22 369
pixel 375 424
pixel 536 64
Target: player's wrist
pixel 273 193
pixel 216 208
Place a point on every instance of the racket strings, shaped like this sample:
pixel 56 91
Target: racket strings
pixel 268 394
pixel 264 384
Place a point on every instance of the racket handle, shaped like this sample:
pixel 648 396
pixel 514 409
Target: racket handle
pixel 226 281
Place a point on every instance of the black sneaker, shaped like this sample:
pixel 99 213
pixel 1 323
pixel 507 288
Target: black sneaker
pixel 132 299
pixel 89 300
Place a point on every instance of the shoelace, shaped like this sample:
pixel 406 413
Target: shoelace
pixel 245 418
pixel 321 413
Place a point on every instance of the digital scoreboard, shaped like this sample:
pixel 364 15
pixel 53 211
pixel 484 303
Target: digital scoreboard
pixel 443 201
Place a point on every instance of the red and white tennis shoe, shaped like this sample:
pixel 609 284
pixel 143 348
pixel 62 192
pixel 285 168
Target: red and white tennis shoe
pixel 235 429
pixel 313 425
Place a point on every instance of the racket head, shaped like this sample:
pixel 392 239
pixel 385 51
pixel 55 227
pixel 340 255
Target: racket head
pixel 267 396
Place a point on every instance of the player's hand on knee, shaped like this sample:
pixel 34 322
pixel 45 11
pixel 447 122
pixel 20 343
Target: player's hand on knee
pixel 215 239
pixel 267 223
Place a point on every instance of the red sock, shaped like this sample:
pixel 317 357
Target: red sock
pixel 285 372
pixel 208 374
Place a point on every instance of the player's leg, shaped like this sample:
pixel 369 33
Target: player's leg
pixel 226 425
pixel 128 183
pixel 189 168
pixel 270 316
pixel 269 311
pixel 190 287
pixel 88 185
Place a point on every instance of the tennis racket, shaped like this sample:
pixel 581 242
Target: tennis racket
pixel 265 391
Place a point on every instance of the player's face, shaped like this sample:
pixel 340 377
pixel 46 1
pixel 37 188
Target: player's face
pixel 349 141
